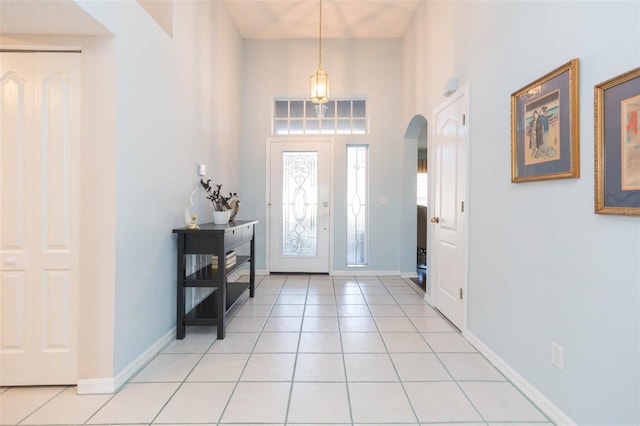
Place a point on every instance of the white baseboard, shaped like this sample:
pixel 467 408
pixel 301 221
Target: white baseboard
pixel 548 407
pixel 408 275
pixel 364 273
pixel 112 384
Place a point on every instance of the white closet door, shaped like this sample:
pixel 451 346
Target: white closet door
pixel 39 217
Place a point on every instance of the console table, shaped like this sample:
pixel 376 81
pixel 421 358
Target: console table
pixel 212 240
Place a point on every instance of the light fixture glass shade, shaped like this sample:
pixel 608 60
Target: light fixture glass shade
pixel 320 87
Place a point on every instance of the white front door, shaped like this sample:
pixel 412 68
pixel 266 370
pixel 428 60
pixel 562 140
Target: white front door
pixel 39 201
pixel 449 255
pixel 299 205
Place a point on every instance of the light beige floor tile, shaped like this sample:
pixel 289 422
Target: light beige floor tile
pixel 347 290
pixel 357 324
pixel 395 324
pixel 470 367
pixel 219 368
pixel 269 368
pixel 135 403
pixel 287 311
pixel 405 342
pixel 380 299
pixel 253 310
pixel 197 340
pixel 319 368
pixel 277 342
pixel 431 324
pixel 268 290
pixel 350 299
pixel 67 408
pixel 320 311
pixel 363 343
pixel 440 402
pixel 419 367
pixel 273 280
pixel 370 368
pixel 501 401
pixel 324 288
pixel 320 343
pixel 408 289
pixel 422 310
pixel 409 299
pixel 386 311
pixel 353 311
pixel 196 403
pixel 321 299
pixel 374 290
pixel 235 343
pixel 319 402
pixel 283 324
pixel 369 282
pixel 320 324
pixel 379 403
pixel 263 299
pixel 291 299
pixel 391 281
pixel 286 290
pixel 448 342
pixel 18 402
pixel 167 368
pixel 245 324
pixel 258 403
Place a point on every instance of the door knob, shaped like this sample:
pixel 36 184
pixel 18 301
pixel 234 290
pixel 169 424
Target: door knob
pixel 435 219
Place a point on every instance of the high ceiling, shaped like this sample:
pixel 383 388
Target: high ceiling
pixel 255 19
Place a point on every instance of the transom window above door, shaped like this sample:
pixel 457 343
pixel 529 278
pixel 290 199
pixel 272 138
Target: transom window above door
pixel 303 117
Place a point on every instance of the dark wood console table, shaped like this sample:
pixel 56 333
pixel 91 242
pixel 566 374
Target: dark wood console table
pixel 212 240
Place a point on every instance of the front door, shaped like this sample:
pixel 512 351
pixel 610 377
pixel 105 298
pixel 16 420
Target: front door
pixel 299 205
pixel 39 201
pixel 449 256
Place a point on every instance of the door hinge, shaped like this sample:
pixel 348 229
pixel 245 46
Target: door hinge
pixel 460 294
pixel 462 206
pixel 464 119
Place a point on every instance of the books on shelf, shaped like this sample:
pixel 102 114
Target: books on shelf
pixel 230 260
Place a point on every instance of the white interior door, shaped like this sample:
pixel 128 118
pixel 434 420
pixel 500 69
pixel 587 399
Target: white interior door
pixel 449 254
pixel 39 202
pixel 299 206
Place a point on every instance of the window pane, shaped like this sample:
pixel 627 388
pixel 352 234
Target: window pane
pixel 331 109
pixel 357 182
pixel 359 127
pixel 296 127
pixel 299 203
pixel 328 127
pixel 282 109
pixel 359 109
pixel 281 127
pixel 297 109
pixel 310 110
pixel 344 127
pixel 313 127
pixel 344 109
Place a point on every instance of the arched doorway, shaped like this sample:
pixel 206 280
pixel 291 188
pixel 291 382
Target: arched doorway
pixel 415 152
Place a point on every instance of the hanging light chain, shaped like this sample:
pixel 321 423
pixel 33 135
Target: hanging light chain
pixel 320 39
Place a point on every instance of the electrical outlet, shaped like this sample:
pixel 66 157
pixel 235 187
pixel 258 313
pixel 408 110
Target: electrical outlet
pixel 557 355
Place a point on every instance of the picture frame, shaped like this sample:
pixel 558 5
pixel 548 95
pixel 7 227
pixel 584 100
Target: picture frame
pixel 544 127
pixel 617 145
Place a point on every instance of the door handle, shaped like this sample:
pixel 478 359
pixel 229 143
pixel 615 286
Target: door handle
pixel 435 219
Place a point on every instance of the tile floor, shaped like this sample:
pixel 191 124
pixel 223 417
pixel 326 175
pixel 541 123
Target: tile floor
pixel 306 350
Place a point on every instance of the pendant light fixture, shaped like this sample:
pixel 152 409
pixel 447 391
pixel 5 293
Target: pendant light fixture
pixel 320 80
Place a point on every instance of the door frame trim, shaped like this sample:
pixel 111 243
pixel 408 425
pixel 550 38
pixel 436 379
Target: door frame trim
pixel 267 214
pixel 463 92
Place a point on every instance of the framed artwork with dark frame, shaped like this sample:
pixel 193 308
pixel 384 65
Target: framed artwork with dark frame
pixel 617 145
pixel 544 127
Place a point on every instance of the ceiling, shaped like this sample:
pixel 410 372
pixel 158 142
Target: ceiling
pixel 255 19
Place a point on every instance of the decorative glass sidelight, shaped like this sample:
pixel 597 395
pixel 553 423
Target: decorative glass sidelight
pixel 299 203
pixel 357 188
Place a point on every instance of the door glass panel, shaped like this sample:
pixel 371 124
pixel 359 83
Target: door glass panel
pixel 299 203
pixel 357 182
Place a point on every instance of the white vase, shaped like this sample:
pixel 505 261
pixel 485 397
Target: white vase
pixel 221 218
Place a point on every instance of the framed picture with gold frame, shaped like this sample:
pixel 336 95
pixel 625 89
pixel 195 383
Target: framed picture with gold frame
pixel 544 127
pixel 617 145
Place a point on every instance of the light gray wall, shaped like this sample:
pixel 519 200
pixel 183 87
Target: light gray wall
pixel 370 68
pixel 542 266
pixel 169 119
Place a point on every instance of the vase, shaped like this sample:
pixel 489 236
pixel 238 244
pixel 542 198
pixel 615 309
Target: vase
pixel 221 217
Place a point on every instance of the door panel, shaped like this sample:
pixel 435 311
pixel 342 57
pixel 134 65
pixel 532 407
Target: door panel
pixel 299 214
pixel 449 227
pixel 39 192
